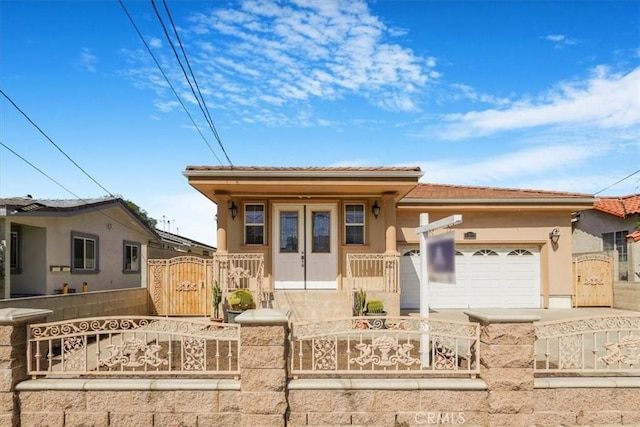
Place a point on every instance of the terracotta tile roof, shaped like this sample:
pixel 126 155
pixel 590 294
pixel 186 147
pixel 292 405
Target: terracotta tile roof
pixel 619 206
pixel 306 169
pixel 442 191
pixel 635 235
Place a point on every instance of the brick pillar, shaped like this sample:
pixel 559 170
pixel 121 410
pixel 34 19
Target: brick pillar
pixel 263 367
pixel 507 343
pixel 13 358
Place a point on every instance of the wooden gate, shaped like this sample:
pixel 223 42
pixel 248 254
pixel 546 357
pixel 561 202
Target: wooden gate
pixel 593 280
pixel 180 286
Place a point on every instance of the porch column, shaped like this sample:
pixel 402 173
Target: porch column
pixel 507 343
pixel 223 223
pixel 263 367
pixel 5 242
pixel 13 360
pixel 389 206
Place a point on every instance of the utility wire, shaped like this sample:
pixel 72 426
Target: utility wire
pixel 203 106
pixel 54 144
pixel 618 182
pixel 168 81
pixel 69 191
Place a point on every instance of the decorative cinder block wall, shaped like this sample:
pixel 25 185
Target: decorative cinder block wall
pixel 13 358
pixel 506 394
pixel 263 367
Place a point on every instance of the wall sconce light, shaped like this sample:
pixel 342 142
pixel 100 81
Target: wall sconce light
pixel 233 210
pixel 375 209
pixel 554 236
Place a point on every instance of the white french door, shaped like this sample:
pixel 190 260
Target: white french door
pixel 305 246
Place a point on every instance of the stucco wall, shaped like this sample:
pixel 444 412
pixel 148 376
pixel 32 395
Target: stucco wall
pixel 112 226
pixel 508 228
pixel 32 278
pixel 587 238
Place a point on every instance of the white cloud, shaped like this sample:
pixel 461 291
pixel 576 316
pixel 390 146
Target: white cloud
pixel 155 43
pixel 270 54
pixel 87 60
pixel 605 101
pixel 515 166
pixel 560 40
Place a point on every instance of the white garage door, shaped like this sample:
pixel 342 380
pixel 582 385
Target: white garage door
pixel 506 277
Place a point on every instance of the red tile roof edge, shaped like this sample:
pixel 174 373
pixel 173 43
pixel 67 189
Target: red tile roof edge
pixel 448 191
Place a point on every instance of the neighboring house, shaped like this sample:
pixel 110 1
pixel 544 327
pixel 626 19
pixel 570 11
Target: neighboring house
pixel 172 245
pixel 613 226
pixel 326 228
pixel 47 243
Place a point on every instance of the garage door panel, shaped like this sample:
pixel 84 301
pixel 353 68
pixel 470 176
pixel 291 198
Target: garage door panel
pixel 491 277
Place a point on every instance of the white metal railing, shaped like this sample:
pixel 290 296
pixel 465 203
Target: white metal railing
pixel 133 346
pixel 373 272
pixel 386 346
pixel 595 345
pixel 240 271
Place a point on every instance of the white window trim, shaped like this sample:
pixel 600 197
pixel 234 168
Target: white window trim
pixel 363 224
pixel 263 224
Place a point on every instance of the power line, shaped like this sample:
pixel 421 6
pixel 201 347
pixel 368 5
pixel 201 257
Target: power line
pixel 69 191
pixel 199 97
pixel 168 81
pixel 54 144
pixel 618 182
pixel 40 170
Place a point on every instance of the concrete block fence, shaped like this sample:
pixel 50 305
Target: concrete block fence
pixel 505 394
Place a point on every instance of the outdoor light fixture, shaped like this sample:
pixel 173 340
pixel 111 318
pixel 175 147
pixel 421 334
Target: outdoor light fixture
pixel 233 210
pixel 375 209
pixel 554 236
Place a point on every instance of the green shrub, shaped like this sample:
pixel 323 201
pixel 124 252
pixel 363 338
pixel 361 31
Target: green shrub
pixel 241 299
pixel 375 306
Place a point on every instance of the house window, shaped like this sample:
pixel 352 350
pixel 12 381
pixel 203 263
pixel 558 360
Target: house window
pixel 84 253
pixel 131 257
pixel 254 224
pixel 15 261
pixel 354 224
pixel 616 241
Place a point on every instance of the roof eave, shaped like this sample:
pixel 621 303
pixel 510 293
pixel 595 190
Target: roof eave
pixel 303 174
pixel 494 201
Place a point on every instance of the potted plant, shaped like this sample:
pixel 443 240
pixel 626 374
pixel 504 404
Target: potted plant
pixel 359 302
pixel 216 299
pixel 375 307
pixel 240 300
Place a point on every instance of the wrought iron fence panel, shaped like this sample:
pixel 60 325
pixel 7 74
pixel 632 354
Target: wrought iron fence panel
pixel 605 345
pixel 131 346
pixel 386 346
pixel 373 272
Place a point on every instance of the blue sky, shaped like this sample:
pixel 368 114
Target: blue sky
pixel 540 94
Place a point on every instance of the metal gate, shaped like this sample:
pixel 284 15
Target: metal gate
pixel 593 280
pixel 180 286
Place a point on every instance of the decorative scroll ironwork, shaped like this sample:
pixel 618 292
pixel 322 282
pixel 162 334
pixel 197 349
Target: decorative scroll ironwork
pixel 133 346
pixel 596 345
pixel 593 281
pixel 187 286
pixel 626 351
pixel 384 345
pixel 379 353
pixel 133 353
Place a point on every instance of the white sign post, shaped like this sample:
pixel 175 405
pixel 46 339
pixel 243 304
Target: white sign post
pixel 423 230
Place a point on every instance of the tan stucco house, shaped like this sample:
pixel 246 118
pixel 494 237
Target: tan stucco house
pixel 612 226
pixel 47 243
pixel 345 228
